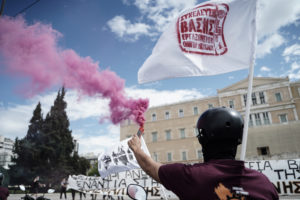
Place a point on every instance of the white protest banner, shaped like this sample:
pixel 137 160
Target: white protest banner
pixel 116 184
pixel 119 158
pixel 284 174
pixel 212 38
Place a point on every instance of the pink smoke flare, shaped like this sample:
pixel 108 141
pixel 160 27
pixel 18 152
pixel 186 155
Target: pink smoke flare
pixel 32 51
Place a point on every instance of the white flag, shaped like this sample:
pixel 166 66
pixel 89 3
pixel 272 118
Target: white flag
pixel 119 158
pixel 212 38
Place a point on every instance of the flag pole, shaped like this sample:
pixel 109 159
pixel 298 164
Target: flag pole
pixel 246 122
pixel 249 93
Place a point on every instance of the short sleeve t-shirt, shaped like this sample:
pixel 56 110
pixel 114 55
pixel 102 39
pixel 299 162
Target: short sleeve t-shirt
pixel 216 179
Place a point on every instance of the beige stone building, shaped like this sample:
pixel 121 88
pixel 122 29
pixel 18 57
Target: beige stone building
pixel 274 125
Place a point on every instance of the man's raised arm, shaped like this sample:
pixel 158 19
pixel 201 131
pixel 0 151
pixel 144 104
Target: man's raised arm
pixel 150 166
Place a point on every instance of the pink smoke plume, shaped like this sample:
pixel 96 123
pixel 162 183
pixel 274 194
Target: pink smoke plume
pixel 32 51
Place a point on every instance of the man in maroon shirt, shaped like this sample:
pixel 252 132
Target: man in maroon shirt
pixel 3 190
pixel 220 176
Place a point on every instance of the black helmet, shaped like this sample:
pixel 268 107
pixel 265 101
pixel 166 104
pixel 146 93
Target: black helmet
pixel 220 124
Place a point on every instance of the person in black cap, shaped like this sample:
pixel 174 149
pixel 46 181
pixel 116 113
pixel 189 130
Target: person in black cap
pixel 220 176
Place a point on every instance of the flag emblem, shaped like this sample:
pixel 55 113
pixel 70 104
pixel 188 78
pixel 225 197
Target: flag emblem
pixel 200 30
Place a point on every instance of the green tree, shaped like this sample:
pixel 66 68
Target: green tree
pixel 80 164
pixel 94 170
pixel 57 140
pixel 27 157
pixel 36 124
pixel 48 148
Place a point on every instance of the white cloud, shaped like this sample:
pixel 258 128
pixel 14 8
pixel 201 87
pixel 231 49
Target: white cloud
pixel 268 44
pixel 125 29
pixel 293 72
pixel 163 97
pixel 293 50
pixel 96 143
pixel 78 107
pixel 155 15
pixel 275 14
pixel 14 120
pixel 99 141
pixel 265 69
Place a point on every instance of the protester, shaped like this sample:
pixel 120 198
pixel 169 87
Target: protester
pixel 80 195
pixel 63 188
pixel 4 193
pixel 220 176
pixel 36 185
pixel 73 192
pixel 94 196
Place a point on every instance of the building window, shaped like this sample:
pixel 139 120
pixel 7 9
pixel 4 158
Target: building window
pixel 245 98
pixel 283 118
pixel 155 156
pixel 154 136
pixel 199 154
pixel 169 155
pixel 128 122
pixel 210 106
pixel 278 97
pixel 167 115
pixel 153 117
pixel 299 91
pixel 231 104
pixel 168 135
pixel 250 121
pixel 263 151
pixel 262 97
pixel 196 131
pixel 180 113
pixel 257 119
pixel 254 101
pixel 195 110
pixel 128 136
pixel 182 133
pixel 183 155
pixel 266 118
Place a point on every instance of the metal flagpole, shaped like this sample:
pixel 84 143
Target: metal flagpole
pixel 249 93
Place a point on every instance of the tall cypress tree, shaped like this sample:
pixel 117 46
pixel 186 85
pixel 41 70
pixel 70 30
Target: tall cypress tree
pixel 57 135
pixel 36 124
pixel 47 148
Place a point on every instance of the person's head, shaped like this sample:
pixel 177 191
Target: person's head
pixel 220 132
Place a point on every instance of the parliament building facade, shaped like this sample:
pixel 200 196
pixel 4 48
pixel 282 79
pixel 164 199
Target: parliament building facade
pixel 274 125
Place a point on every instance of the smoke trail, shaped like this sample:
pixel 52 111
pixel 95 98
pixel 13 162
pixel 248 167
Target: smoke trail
pixel 32 51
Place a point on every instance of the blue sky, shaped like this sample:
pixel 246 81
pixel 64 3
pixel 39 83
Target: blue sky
pixel 120 35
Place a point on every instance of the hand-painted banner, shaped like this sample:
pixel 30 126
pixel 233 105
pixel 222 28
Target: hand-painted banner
pixel 119 158
pixel 116 184
pixel 284 174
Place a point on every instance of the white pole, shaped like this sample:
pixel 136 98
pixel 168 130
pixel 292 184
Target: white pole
pixel 249 93
pixel 245 130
